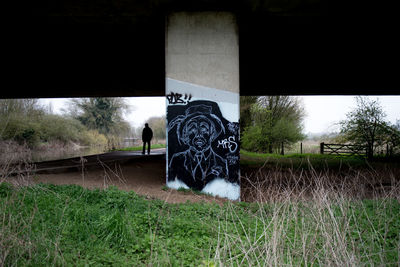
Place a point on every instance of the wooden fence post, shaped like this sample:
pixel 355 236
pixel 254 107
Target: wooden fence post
pixel 321 148
pixel 301 148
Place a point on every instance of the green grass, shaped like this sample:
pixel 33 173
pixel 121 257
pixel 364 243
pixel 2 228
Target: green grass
pixel 140 148
pixel 192 191
pixel 68 225
pixel 317 161
pixel 185 191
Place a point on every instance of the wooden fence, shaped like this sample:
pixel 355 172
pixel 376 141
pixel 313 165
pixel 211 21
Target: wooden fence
pixel 343 149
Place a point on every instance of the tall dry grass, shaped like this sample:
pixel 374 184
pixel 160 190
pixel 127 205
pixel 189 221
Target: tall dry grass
pixel 16 162
pixel 298 217
pixel 314 218
pixel 277 183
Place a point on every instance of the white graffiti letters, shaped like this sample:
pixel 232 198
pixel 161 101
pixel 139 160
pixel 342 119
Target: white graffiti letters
pixel 232 159
pixel 233 127
pixel 229 143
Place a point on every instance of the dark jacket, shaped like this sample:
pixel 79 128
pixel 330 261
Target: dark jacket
pixel 147 134
pixel 183 164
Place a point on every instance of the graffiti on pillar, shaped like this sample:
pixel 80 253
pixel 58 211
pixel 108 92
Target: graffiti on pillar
pixel 176 98
pixel 205 146
pixel 228 143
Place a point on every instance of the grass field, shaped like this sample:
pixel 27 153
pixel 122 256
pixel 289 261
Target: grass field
pixel 317 161
pixel 300 160
pixel 68 225
pixel 307 210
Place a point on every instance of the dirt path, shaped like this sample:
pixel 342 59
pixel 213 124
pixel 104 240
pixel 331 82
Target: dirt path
pixel 143 176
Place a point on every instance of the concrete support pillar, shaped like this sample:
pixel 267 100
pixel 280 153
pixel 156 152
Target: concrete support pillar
pixel 202 94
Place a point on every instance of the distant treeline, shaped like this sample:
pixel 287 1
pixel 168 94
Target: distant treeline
pixel 87 123
pixel 270 123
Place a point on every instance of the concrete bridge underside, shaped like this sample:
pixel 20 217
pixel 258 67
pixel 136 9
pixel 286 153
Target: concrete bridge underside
pixel 117 48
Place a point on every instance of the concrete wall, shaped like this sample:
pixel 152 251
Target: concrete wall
pixel 202 48
pixel 202 91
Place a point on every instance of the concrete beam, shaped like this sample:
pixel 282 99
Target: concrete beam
pixel 116 48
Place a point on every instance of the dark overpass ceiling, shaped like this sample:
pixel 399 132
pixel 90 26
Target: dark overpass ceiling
pixel 116 48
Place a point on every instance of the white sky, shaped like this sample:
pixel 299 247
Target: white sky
pixel 322 111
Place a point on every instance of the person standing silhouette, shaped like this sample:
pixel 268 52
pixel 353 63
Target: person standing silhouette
pixel 147 135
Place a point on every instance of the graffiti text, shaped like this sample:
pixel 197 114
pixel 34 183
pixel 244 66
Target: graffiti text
pixel 229 143
pixel 176 98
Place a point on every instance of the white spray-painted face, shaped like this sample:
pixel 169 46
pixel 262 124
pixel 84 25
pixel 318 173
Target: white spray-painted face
pixel 198 133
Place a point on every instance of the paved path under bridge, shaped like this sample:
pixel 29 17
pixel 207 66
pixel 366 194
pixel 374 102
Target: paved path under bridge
pixel 93 161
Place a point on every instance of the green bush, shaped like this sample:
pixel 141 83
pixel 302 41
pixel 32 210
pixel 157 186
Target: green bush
pixel 26 122
pixel 93 137
pixel 47 128
pixel 55 127
pixel 21 129
pixel 252 139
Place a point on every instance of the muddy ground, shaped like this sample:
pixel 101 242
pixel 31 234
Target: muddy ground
pixel 146 176
pixel 143 176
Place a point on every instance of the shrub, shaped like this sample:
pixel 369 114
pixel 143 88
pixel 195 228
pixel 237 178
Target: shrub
pixel 252 138
pixel 54 127
pixel 93 137
pixel 47 128
pixel 21 129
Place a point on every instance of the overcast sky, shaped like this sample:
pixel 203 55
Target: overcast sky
pixel 322 111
